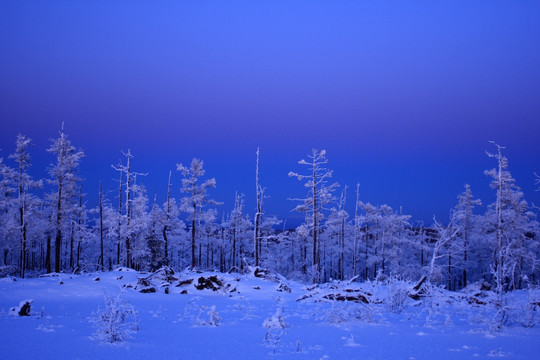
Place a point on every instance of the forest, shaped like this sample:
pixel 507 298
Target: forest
pixel 46 227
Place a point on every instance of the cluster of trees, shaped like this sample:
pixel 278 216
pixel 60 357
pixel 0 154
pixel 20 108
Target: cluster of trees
pixel 57 232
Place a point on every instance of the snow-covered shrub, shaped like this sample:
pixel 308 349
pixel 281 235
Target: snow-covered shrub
pixel 434 302
pixel 117 322
pixel 341 312
pixel 191 310
pixel 8 270
pixel 275 328
pixel 371 312
pixel 501 317
pixel 529 317
pixel 213 317
pixel 397 296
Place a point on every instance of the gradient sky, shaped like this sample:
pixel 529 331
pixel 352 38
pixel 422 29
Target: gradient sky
pixel 404 96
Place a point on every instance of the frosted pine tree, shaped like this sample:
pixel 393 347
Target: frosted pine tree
pixel 64 177
pixel 466 224
pixel 510 221
pixel 197 199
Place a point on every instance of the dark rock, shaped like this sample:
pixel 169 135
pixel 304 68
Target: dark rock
pixel 485 286
pixel 25 309
pixel 473 300
pixel 148 290
pixel 260 273
pixel 143 282
pixel 211 282
pixel 185 282
pixel 354 298
pixel 283 288
pixel 183 292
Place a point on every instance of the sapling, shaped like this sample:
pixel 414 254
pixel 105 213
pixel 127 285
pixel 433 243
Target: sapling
pixel 275 328
pixel 117 322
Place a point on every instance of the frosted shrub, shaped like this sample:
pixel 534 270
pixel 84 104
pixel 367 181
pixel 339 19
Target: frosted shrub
pixel 397 296
pixel 371 312
pixel 117 322
pixel 529 316
pixel 191 310
pixel 275 328
pixel 340 312
pixel 213 317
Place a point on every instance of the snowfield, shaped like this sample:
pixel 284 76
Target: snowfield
pixel 258 316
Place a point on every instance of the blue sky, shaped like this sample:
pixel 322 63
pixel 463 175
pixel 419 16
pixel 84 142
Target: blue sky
pixel 404 96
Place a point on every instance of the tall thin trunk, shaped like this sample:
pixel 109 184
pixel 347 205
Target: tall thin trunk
pixel 168 217
pixel 258 214
pixel 356 229
pixel 128 210
pixel 101 258
pixel 48 264
pixel 120 203
pixel 193 258
pixel 315 221
pixel 58 240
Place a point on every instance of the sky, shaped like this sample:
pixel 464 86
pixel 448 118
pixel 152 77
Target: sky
pixel 403 95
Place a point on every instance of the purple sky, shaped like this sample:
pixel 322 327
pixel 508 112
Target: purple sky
pixel 404 96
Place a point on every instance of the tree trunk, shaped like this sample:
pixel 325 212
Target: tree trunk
pixel 102 259
pixel 58 240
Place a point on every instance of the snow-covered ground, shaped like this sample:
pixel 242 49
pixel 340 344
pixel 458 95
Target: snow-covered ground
pixel 241 320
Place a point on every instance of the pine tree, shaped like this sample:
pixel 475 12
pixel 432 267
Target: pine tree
pixel 465 222
pixel 64 177
pixel 197 199
pixel 510 222
pixel 319 195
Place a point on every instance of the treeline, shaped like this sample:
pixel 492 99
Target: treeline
pixel 56 231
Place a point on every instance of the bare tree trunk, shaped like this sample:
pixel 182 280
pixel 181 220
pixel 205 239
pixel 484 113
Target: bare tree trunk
pixel 258 214
pixel 168 217
pixel 58 240
pixel 118 244
pixel 315 222
pixel 101 258
pixel 356 230
pixel 128 209
pixel 71 240
pixel 193 258
pixel 48 264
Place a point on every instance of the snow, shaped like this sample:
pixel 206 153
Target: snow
pixel 232 322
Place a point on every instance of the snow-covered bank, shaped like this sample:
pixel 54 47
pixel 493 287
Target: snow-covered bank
pixel 183 326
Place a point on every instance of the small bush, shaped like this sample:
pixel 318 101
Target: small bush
pixel 117 322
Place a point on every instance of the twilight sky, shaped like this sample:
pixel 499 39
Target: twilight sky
pixel 403 95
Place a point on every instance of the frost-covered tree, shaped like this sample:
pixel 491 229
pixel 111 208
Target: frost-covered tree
pixel 446 235
pixel 197 199
pixel 7 193
pixel 80 235
pixel 64 177
pixel 319 195
pixel 137 228
pixel 335 244
pixel 172 226
pixel 25 203
pixel 239 231
pixel 466 224
pixel 154 239
pixel 125 227
pixel 258 215
pixel 510 222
